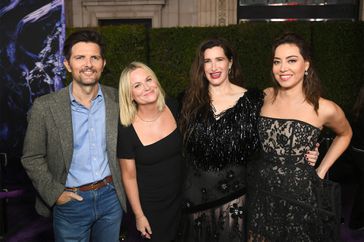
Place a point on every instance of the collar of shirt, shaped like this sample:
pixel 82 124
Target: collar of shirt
pixel 75 103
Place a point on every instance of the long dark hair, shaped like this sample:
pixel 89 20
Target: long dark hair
pixel 197 98
pixel 358 108
pixel 311 82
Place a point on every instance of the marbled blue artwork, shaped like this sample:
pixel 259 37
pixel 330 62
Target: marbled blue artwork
pixel 31 62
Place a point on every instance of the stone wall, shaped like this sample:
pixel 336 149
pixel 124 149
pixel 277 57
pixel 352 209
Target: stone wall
pixel 163 13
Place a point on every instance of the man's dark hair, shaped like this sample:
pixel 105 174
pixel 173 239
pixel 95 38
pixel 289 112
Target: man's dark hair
pixel 83 36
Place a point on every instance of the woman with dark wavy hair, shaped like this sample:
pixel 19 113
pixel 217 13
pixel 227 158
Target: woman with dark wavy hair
pixel 218 123
pixel 357 147
pixel 288 199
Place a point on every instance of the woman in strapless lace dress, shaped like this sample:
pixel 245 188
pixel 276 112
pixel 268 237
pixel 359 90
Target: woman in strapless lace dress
pixel 284 200
pixel 219 124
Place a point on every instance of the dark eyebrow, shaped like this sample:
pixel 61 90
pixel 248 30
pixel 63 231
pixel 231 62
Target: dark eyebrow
pixel 291 56
pixel 217 57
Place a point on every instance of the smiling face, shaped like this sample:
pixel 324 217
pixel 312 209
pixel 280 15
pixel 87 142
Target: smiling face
pixel 144 87
pixel 216 66
pixel 289 66
pixel 85 63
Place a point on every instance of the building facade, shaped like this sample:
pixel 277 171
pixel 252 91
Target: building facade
pixel 181 13
pixel 161 13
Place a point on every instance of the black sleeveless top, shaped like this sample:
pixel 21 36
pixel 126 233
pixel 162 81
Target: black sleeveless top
pixel 160 169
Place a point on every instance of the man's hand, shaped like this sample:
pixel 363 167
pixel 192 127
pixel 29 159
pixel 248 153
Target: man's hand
pixel 67 196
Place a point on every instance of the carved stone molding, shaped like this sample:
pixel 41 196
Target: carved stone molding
pixel 92 11
pixel 221 12
pixel 124 2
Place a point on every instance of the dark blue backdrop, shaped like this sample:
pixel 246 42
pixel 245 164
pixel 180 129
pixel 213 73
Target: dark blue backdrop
pixel 31 39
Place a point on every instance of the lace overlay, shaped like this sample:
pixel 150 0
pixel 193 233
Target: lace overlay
pixel 216 154
pixel 224 223
pixel 287 199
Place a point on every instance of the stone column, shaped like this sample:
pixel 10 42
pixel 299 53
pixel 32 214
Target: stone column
pixel 217 12
pixel 361 10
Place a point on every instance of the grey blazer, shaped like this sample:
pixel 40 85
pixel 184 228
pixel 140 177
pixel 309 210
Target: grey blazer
pixel 48 146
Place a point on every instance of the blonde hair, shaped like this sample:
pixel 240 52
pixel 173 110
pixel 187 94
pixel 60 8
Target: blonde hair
pixel 128 107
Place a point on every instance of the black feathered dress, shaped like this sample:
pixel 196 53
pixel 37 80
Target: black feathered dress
pixel 217 150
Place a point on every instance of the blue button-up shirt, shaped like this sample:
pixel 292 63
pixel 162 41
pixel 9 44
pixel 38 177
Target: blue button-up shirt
pixel 89 161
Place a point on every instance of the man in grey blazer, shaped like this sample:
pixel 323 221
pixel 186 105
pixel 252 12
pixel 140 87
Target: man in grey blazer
pixel 70 149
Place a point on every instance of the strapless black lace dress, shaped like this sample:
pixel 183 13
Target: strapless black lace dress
pixel 287 200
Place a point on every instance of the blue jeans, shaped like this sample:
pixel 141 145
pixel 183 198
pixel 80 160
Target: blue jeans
pixel 97 217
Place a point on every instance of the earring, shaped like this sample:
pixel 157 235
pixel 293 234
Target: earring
pixel 306 72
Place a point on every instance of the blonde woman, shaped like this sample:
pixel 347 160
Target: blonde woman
pixel 149 151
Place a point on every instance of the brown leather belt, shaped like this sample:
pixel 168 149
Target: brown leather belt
pixel 91 186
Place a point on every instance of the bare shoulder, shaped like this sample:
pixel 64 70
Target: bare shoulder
pixel 329 110
pixel 238 90
pixel 333 117
pixel 268 93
